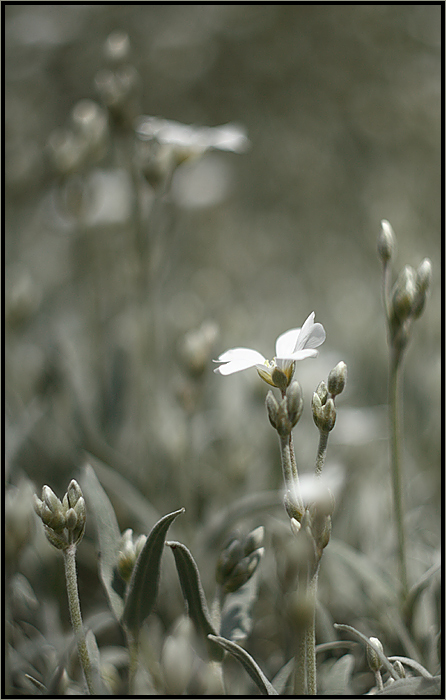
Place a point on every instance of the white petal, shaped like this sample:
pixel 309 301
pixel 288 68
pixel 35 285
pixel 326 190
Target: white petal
pixel 238 359
pixel 311 334
pixel 303 354
pixel 286 343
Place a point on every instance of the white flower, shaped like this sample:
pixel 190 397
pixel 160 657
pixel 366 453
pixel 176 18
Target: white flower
pixel 228 137
pixel 295 344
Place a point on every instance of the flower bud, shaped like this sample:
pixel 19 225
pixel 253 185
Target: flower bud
pixel 74 493
pixel 279 379
pixel 117 47
pixel 254 540
pixel 386 242
pixel 403 294
pixel 423 281
pixel 337 379
pixel 322 392
pixel 399 668
pixel 295 402
pixel 295 526
pixel 324 416
pixel 71 519
pixel 373 659
pixel 272 408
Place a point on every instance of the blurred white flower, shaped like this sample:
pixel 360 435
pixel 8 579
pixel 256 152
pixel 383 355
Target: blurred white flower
pixel 194 140
pixel 295 344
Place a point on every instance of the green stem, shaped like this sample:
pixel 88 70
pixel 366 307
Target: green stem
pixel 321 451
pixel 75 614
pixel 396 468
pixel 300 664
pixel 133 649
pixel 310 635
pixel 289 468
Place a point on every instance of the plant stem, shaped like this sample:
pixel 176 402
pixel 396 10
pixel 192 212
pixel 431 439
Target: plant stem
pixel 133 649
pixel 321 451
pixel 289 469
pixel 300 664
pixel 396 468
pixel 310 634
pixel 75 614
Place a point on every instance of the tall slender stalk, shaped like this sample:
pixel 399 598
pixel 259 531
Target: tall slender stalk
pixel 75 614
pixel 396 467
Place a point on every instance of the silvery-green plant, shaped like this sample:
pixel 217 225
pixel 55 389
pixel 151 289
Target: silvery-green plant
pixel 310 519
pixel 64 526
pixel 404 302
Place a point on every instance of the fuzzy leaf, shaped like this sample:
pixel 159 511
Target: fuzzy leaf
pixel 337 679
pixel 414 686
pixel 143 586
pixel 109 535
pixel 194 596
pixel 236 619
pixel 248 663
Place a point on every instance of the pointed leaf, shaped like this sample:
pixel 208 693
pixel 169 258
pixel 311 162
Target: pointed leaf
pixel 109 535
pixel 194 596
pixel 143 586
pixel 337 680
pixel 248 663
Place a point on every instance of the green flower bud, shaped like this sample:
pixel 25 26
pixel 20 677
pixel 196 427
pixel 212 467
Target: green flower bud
pixel 73 493
pixel 71 519
pixel 423 282
pixel 272 408
pixel 295 402
pixel 280 379
pixel 254 540
pixel 399 668
pixel 373 659
pixel 386 242
pixel 337 379
pixel 242 572
pixel 322 392
pixel 403 294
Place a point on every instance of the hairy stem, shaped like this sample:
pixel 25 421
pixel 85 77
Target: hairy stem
pixel 396 468
pixel 310 635
pixel 321 451
pixel 289 468
pixel 75 614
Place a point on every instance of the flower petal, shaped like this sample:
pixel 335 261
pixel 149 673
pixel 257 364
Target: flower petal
pixel 311 334
pixel 286 343
pixel 304 354
pixel 238 359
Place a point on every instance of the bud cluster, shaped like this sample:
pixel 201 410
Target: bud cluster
pixel 283 416
pixel 63 521
pixel 129 552
pixel 239 560
pixel 406 300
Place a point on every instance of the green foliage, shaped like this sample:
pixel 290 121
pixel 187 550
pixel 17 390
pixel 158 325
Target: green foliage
pixel 143 586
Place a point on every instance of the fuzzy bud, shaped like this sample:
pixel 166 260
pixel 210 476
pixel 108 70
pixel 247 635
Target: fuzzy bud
pixel 386 242
pixel 423 282
pixel 291 507
pixel 337 379
pixel 373 659
pixel 399 668
pixel 403 294
pixel 294 402
pixel 279 379
pixel 272 408
pixel 322 392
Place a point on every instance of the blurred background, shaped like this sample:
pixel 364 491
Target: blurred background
pixel 124 276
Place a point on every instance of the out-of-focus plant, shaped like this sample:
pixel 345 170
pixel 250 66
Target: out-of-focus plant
pixel 403 304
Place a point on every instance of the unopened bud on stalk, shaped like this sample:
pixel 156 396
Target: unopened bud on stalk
pixel 291 507
pixel 373 659
pixel 403 294
pixel 399 668
pixel 337 379
pixel 279 379
pixel 423 282
pixel 129 552
pixel 64 522
pixel 322 392
pixel 294 402
pixel 386 242
pixel 324 416
pixel 272 408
